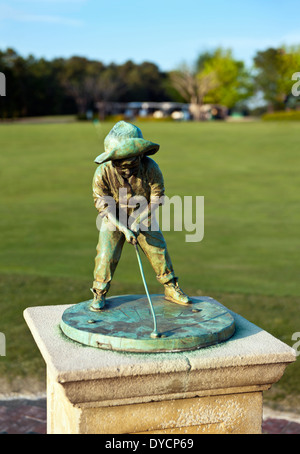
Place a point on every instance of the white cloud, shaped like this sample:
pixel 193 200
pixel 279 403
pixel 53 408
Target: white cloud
pixel 17 15
pixel 48 19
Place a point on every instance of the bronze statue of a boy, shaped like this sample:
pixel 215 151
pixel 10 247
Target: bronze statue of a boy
pixel 125 165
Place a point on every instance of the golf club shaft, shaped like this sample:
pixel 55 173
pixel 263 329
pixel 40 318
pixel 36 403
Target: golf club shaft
pixel 155 332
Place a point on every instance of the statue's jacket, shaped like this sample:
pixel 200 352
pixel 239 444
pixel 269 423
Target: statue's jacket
pixel 147 182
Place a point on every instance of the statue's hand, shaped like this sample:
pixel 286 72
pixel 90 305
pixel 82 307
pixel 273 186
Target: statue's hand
pixel 130 236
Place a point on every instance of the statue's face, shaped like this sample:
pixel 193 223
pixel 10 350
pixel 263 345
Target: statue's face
pixel 127 167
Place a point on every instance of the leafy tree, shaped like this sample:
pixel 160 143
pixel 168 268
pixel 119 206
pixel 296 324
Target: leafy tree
pixel 14 68
pixel 41 87
pixel 193 87
pixel 274 70
pixel 80 77
pixel 216 79
pixel 33 86
pixel 234 81
pixel 144 82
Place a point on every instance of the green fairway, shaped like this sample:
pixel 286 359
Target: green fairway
pixel 249 258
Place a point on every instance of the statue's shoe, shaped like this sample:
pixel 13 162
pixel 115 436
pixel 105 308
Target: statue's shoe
pixel 98 301
pixel 175 294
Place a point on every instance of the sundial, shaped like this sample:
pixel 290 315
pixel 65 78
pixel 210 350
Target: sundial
pixel 126 324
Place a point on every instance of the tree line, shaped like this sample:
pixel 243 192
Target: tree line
pixel 36 86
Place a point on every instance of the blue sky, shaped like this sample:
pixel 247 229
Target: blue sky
pixel 167 32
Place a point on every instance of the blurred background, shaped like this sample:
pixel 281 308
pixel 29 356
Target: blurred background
pixel 216 85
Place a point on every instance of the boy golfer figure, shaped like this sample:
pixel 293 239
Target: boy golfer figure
pixel 125 168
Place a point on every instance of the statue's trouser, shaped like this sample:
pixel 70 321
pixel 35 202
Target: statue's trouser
pixel 109 251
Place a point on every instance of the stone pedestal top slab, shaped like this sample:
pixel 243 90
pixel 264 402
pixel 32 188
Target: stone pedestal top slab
pixel 69 361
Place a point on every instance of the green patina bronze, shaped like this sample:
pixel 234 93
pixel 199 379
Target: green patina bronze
pixel 125 166
pixel 126 324
pixel 172 322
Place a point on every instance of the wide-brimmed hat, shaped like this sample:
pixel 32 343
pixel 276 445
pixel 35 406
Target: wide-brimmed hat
pixel 125 141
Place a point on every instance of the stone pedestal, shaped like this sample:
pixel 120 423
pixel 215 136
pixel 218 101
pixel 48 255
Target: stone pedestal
pixel 212 390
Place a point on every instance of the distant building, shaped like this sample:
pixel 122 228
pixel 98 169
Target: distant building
pixel 174 110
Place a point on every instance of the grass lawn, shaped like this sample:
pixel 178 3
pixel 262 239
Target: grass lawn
pixel 248 259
